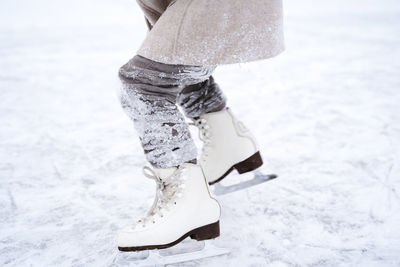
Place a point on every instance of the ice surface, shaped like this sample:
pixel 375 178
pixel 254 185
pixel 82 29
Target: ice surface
pixel 326 113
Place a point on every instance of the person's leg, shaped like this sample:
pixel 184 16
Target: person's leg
pixel 201 98
pixel 148 96
pixel 227 142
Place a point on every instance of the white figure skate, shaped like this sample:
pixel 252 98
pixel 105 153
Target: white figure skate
pixel 183 207
pixel 227 145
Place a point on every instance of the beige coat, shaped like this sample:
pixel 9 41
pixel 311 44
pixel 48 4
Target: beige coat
pixel 212 32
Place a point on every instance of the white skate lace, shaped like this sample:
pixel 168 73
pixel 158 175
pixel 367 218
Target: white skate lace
pixel 168 190
pixel 204 136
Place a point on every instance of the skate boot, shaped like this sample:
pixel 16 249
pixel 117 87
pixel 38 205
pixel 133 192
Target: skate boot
pixel 183 207
pixel 227 145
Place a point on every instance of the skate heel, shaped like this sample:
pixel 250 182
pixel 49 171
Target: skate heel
pixel 249 164
pixel 205 232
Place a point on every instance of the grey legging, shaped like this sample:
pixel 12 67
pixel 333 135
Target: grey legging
pixel 150 91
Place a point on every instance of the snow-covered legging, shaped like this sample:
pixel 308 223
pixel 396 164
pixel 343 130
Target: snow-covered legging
pixel 149 93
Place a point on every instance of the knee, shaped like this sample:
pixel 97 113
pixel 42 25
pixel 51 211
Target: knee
pixel 128 71
pixel 139 70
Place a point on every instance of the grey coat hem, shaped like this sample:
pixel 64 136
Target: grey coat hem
pixel 214 32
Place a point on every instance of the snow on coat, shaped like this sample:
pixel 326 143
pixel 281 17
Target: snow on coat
pixel 212 32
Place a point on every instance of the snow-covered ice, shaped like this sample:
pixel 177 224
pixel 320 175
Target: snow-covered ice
pixel 326 113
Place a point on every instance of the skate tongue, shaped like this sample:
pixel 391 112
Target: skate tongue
pixel 164 178
pixel 165 172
